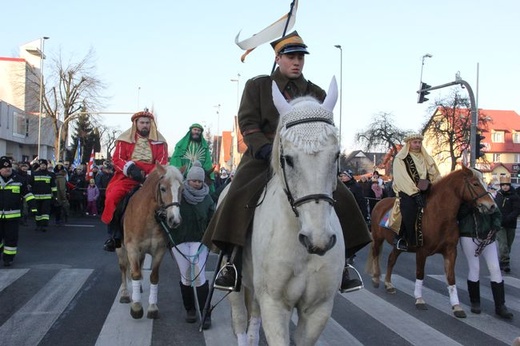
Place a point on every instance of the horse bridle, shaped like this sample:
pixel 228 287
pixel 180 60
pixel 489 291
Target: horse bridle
pixel 309 198
pixel 161 210
pixel 473 193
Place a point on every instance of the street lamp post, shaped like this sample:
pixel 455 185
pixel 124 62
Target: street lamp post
pixel 42 57
pixel 237 80
pixel 427 55
pixel 340 89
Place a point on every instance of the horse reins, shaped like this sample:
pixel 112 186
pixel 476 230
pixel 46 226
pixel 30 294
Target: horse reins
pixel 161 210
pixel 309 198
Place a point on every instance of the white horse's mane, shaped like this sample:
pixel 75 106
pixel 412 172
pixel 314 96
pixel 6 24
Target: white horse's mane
pixel 309 137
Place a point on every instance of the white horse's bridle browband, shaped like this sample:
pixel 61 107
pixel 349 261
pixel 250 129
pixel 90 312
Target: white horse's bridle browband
pixel 309 198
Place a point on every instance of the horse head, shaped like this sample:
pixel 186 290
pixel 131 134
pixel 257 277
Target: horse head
pixel 168 194
pixel 475 191
pixel 304 157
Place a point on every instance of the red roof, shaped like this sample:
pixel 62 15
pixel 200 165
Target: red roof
pixel 11 59
pixel 502 120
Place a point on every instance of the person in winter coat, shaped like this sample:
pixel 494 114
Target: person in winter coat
pixel 43 184
pixel 92 197
pixel 13 191
pixel 477 238
pixel 197 208
pixel 509 203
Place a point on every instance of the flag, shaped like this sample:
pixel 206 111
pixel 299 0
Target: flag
pixel 268 34
pixel 77 158
pixel 90 166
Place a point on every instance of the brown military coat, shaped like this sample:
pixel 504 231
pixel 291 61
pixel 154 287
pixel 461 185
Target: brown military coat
pixel 258 120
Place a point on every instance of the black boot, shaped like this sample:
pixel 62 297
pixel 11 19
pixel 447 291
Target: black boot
pixel 202 296
pixel 114 242
pixel 400 243
pixel 474 296
pixel 188 299
pixel 348 284
pixel 499 297
pixel 228 277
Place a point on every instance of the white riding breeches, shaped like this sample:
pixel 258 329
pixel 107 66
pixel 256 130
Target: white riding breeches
pixel 490 255
pixel 191 258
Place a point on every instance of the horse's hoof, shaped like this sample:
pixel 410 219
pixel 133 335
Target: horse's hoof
pixel 136 311
pixel 375 284
pixel 125 300
pixel 153 314
pixel 421 306
pixel 390 288
pixel 458 312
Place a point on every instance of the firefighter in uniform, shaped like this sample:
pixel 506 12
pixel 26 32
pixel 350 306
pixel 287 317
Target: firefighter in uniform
pixel 137 151
pixel 13 191
pixel 43 184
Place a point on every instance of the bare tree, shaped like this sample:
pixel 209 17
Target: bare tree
pixel 69 88
pixel 108 137
pixel 382 133
pixel 449 128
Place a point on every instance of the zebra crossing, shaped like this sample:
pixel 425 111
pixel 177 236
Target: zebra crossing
pixel 365 317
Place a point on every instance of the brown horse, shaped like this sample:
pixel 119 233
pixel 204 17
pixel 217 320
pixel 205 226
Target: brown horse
pixel 439 227
pixel 159 195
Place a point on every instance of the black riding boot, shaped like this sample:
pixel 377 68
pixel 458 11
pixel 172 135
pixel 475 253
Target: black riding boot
pixel 114 242
pixel 229 276
pixel 188 299
pixel 400 242
pixel 474 296
pixel 499 297
pixel 348 284
pixel 202 296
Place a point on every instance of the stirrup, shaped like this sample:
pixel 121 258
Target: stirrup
pixel 402 245
pixel 227 267
pixel 358 277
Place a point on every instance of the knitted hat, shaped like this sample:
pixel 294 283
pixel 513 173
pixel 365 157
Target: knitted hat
pixel 196 172
pixel 5 162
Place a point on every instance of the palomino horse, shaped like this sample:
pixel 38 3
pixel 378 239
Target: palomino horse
pixel 160 196
pixel 439 227
pixel 295 255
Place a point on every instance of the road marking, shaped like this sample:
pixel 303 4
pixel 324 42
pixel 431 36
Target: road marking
pixel 29 325
pixel 483 322
pixel 73 225
pixel 119 327
pixel 485 290
pixel 8 276
pixel 405 325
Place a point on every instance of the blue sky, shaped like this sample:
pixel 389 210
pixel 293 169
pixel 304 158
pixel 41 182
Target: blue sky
pixel 182 55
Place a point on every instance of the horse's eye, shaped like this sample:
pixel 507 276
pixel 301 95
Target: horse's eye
pixel 163 189
pixel 289 161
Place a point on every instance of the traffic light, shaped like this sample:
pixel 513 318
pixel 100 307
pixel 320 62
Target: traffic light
pixel 479 146
pixel 423 93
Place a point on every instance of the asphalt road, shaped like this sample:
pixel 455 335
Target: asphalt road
pixel 63 290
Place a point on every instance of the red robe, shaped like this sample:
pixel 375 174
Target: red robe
pixel 121 184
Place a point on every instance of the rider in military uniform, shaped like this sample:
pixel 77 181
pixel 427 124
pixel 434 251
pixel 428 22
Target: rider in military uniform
pixel 258 120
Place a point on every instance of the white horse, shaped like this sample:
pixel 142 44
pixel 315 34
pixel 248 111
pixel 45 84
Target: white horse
pixel 295 255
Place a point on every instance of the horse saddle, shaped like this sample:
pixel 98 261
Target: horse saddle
pixel 116 225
